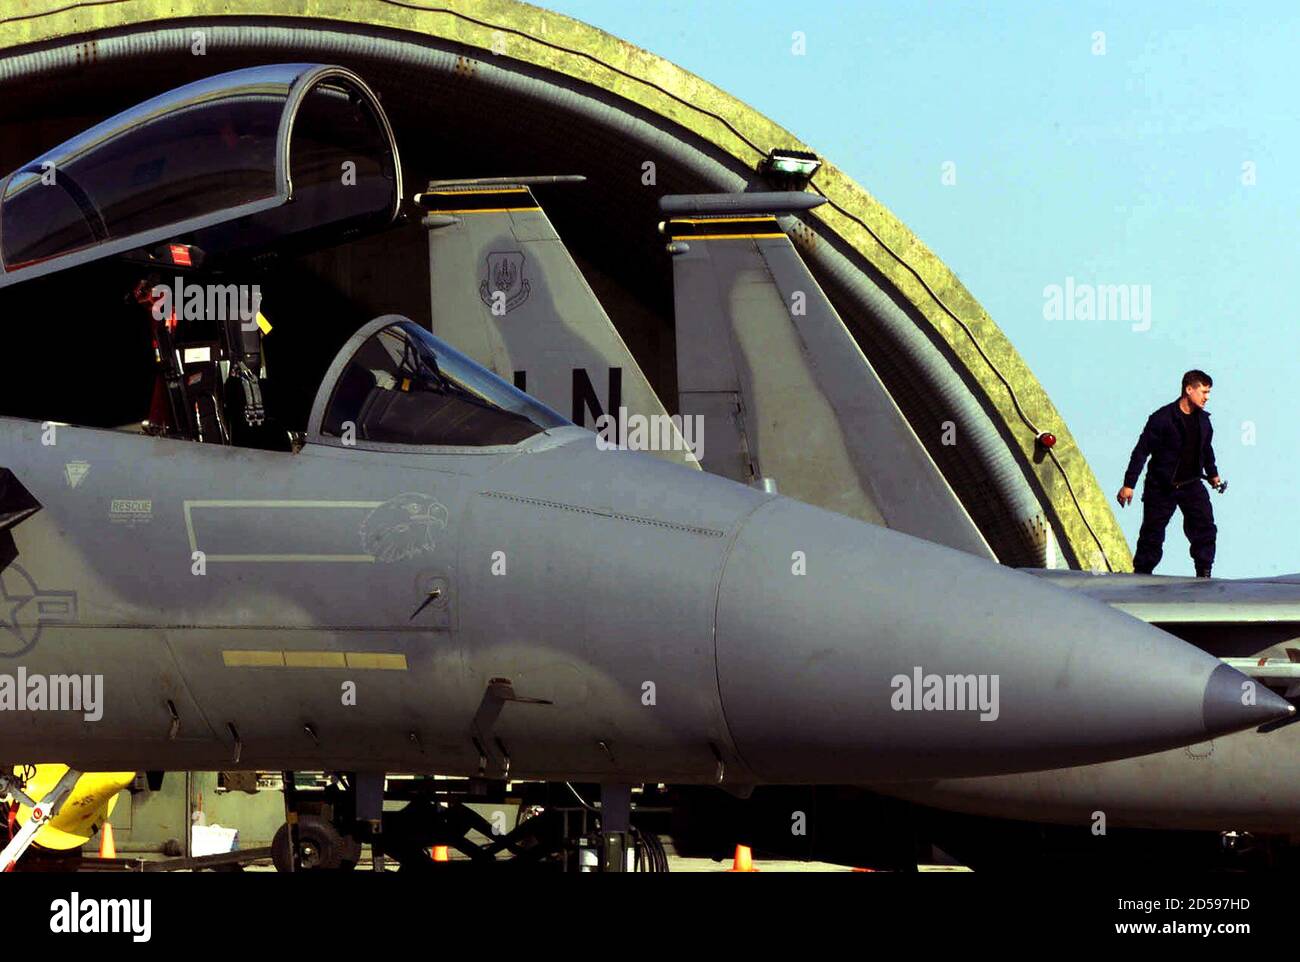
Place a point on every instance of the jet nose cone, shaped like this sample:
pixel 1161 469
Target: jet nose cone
pixel 1234 701
pixel 849 653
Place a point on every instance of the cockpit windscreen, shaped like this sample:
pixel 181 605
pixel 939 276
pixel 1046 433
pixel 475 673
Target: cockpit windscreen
pixel 404 386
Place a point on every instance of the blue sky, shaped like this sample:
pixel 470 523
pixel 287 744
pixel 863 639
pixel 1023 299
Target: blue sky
pixel 1124 167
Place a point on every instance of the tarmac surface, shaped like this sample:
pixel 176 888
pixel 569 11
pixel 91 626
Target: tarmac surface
pixel 128 861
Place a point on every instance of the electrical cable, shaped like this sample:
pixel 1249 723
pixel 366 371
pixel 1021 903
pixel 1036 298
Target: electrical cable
pixel 1015 401
pixel 590 808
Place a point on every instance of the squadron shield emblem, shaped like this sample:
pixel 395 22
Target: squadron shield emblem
pixel 403 527
pixel 505 286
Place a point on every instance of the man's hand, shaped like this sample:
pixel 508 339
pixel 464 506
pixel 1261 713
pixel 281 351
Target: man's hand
pixel 1125 497
pixel 1216 481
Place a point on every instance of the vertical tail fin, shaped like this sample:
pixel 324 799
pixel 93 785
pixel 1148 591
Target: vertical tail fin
pixel 507 293
pixel 785 391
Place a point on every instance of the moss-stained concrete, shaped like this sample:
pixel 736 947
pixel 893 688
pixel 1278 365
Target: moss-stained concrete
pixel 516 30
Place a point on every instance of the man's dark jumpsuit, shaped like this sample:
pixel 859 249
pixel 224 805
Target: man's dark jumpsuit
pixel 1181 451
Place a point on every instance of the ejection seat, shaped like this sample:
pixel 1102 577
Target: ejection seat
pixel 217 176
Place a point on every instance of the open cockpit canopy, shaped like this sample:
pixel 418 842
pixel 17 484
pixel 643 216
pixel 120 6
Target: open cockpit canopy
pixel 234 164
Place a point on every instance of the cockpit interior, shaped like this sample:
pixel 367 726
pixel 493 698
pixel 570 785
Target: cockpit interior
pixel 161 272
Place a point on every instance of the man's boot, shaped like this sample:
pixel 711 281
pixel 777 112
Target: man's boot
pixel 1202 572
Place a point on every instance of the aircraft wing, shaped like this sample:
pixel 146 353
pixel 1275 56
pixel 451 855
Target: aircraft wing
pixel 784 390
pixel 1227 617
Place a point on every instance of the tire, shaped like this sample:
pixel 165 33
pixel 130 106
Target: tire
pixel 320 845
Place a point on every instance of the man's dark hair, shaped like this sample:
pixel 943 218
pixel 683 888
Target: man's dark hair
pixel 1195 378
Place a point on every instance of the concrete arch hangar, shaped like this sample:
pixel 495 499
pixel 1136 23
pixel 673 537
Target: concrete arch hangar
pixel 602 293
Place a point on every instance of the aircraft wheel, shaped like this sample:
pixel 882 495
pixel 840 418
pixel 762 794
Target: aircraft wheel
pixel 321 848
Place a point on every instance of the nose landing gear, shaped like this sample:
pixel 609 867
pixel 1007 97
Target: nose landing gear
pixel 326 826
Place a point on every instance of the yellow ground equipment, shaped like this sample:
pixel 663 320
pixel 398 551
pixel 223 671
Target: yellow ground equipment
pixel 92 801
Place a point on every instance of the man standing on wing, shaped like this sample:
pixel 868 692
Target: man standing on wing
pixel 1177 438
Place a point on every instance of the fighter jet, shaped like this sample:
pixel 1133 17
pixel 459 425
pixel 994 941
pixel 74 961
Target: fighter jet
pixel 220 546
pixel 788 398
pixel 1252 624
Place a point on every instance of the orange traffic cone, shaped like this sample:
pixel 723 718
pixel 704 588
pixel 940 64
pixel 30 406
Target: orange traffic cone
pixel 106 847
pixel 440 853
pixel 744 861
